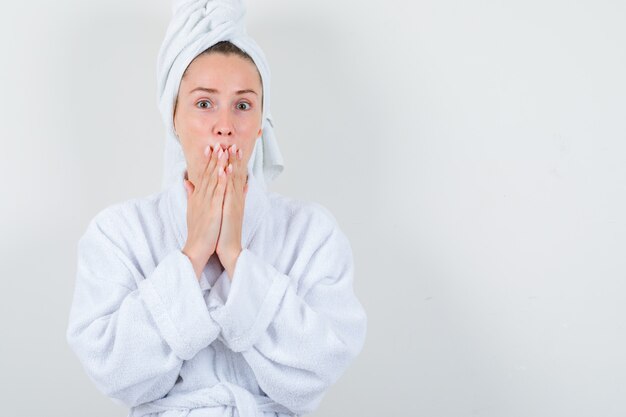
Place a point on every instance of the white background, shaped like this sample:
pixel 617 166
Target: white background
pixel 473 152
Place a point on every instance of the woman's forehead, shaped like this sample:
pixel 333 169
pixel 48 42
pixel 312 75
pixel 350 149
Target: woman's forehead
pixel 225 73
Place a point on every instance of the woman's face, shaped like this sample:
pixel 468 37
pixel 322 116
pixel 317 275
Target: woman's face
pixel 219 101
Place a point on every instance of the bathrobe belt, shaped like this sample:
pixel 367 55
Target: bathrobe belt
pixel 223 393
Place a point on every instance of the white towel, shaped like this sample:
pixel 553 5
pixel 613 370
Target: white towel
pixel 195 26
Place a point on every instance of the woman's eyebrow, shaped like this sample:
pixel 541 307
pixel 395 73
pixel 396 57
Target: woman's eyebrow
pixel 214 91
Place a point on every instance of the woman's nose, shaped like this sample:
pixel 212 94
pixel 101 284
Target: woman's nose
pixel 223 125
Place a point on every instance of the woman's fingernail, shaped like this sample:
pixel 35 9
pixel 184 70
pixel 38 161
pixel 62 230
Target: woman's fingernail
pixel 230 167
pixel 219 153
pixel 207 150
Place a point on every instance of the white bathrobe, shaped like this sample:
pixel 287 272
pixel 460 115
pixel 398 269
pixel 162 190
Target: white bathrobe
pixel 274 340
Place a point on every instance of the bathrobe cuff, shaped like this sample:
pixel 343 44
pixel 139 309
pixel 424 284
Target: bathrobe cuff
pixel 175 300
pixel 255 294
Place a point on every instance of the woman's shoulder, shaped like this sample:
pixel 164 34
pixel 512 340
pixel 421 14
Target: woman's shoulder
pixel 128 217
pixel 299 211
pixel 308 228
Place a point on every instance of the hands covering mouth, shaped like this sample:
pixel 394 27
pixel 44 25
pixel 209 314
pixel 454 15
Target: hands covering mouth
pixel 215 207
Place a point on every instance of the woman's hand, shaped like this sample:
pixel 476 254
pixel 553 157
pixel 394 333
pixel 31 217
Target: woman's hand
pixel 229 242
pixel 204 209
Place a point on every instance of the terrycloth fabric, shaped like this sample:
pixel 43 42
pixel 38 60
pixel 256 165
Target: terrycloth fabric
pixel 195 26
pixel 274 340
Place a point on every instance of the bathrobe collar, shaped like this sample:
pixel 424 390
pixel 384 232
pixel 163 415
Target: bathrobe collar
pixel 255 208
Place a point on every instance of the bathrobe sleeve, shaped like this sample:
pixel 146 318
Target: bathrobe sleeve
pixel 132 338
pixel 298 339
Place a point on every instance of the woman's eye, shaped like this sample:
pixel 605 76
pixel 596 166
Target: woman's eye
pixel 245 104
pixel 203 101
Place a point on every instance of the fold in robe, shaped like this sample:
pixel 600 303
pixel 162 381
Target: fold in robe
pixel 274 339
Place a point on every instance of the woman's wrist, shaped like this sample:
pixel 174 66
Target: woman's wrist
pixel 196 261
pixel 230 262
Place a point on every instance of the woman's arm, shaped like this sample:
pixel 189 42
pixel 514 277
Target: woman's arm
pixel 132 339
pixel 297 341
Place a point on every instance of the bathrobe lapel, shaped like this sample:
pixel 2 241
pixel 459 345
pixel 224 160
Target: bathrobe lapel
pixel 255 209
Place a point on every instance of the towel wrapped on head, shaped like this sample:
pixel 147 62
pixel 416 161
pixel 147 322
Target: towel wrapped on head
pixel 195 26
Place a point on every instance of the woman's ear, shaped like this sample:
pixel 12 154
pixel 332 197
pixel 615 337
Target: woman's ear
pixel 174 117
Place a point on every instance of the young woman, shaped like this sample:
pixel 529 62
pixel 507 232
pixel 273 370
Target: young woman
pixel 215 297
